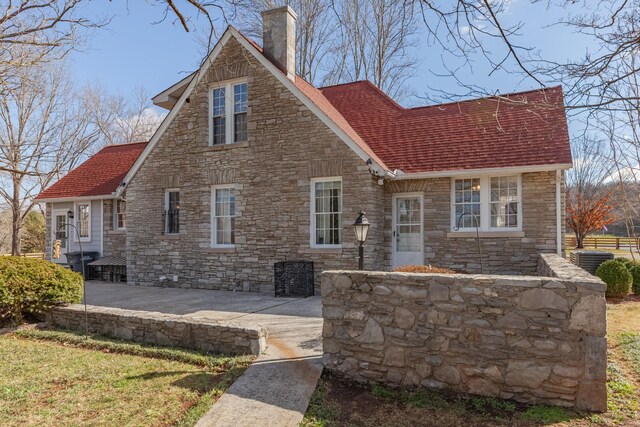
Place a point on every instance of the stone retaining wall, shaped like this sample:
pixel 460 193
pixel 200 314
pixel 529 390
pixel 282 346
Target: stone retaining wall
pixel 532 339
pixel 162 329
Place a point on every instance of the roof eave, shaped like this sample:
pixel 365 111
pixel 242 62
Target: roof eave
pixel 482 171
pixel 75 198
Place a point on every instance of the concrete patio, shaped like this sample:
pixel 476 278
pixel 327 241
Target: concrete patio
pixel 276 389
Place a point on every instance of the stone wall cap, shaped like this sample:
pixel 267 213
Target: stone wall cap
pixel 252 329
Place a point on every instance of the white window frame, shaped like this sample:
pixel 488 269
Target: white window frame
pixel 76 219
pixel 229 115
pixel 213 215
pixel 116 213
pixel 166 209
pixel 485 204
pixel 312 204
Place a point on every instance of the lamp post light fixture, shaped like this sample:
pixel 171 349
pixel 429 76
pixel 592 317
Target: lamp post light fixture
pixel 57 244
pixel 361 227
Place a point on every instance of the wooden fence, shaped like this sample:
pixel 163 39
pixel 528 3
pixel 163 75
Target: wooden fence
pixel 605 243
pixel 31 255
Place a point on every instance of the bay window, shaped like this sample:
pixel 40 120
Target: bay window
pixel 492 203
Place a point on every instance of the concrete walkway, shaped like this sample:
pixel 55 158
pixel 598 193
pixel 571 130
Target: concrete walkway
pixel 276 389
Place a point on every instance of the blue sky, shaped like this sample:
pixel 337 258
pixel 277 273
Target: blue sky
pixel 136 50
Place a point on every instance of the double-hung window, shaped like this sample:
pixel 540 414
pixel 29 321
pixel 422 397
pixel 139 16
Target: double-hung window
pixel 120 215
pixel 505 203
pixel 172 211
pixel 83 221
pixel 218 108
pixel 223 212
pixel 229 107
pixel 326 212
pixel 492 203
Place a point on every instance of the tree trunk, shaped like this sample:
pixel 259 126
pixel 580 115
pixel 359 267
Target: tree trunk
pixel 579 241
pixel 16 222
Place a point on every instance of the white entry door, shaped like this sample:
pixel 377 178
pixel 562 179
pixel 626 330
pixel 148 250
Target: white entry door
pixel 58 225
pixel 408 244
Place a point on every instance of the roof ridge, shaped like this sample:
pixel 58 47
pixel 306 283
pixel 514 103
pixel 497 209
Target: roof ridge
pixel 369 83
pixel 487 98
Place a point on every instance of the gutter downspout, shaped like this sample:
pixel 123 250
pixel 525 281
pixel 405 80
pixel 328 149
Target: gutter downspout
pixel 558 212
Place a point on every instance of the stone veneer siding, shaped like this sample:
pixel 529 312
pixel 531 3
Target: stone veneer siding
pixel 162 329
pixel 501 255
pixel 532 339
pixel 48 235
pixel 287 146
pixel 114 241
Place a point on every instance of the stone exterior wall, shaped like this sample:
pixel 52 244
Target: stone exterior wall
pixel 287 146
pixel 162 329
pixel 115 241
pixel 48 234
pixel 271 173
pixel 517 254
pixel 532 339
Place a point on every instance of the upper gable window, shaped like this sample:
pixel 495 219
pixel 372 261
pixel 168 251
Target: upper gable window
pixel 228 107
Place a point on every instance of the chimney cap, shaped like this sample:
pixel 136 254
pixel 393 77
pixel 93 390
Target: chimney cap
pixel 280 9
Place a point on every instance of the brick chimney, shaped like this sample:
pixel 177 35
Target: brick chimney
pixel 279 38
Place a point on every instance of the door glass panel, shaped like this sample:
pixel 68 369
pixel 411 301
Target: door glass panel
pixel 61 229
pixel 408 225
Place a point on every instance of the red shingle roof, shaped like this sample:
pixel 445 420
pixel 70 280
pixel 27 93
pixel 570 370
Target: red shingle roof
pixel 519 129
pixel 323 104
pixel 514 130
pixel 99 176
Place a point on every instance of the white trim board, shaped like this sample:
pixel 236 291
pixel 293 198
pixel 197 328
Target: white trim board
pixel 76 199
pixel 509 170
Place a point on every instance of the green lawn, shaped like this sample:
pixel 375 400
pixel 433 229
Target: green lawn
pixel 61 379
pixel 340 403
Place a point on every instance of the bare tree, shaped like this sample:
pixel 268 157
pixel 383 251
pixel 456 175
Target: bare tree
pixel 33 31
pixel 5 230
pixel 315 30
pixel 44 132
pixel 591 192
pixel 121 119
pixel 376 37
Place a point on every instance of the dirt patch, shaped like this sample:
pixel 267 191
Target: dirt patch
pixel 356 404
pixel 629 299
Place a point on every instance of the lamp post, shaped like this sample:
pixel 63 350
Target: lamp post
pixel 56 254
pixel 361 227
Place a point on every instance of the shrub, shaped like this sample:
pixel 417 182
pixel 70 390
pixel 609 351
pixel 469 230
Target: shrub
pixel 423 269
pixel 626 261
pixel 635 274
pixel 616 276
pixel 31 286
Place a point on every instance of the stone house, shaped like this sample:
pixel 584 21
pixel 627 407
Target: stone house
pixel 254 165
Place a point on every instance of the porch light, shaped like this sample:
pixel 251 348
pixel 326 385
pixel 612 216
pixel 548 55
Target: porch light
pixel 361 227
pixel 70 214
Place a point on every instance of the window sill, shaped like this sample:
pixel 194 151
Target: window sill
pixel 498 234
pixel 320 250
pixel 117 231
pixel 227 250
pixel 173 236
pixel 222 147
